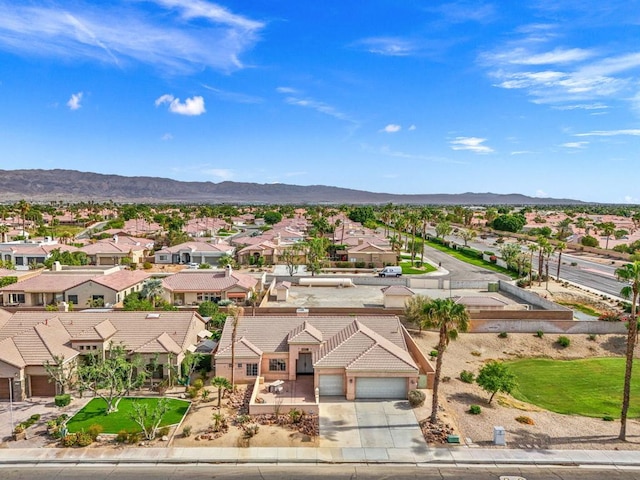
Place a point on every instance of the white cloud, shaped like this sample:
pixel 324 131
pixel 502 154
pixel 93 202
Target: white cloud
pixel 541 194
pixel 523 56
pixel 120 31
pixel 222 173
pixel 320 107
pixel 386 151
pixel 287 90
pixel 233 96
pixel 391 128
pixel 522 152
pixel 412 128
pixel 166 137
pixel 74 101
pixel 192 106
pixel 575 144
pixel 582 106
pixel 609 133
pixel 473 144
pixel 388 46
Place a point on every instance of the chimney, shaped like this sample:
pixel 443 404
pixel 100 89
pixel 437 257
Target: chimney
pixel 63 306
pixel 227 271
pixel 56 267
pixel 302 312
pixel 360 241
pixel 276 239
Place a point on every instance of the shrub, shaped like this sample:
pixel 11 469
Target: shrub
pixel 503 335
pixel 539 334
pixel 134 437
pixel 198 384
pixel 122 436
pixel 251 430
pixel 475 409
pixel 525 420
pixel 467 377
pixel 416 398
pixel 592 337
pixel 186 431
pixel 564 342
pixel 68 440
pixel 610 317
pixel 295 415
pixel 360 264
pixel 433 353
pixel 163 432
pixel 476 353
pixel 83 439
pixel 608 418
pixel 95 430
pixel 147 265
pixel 35 417
pixel 62 400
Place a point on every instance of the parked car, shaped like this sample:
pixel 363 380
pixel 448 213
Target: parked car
pixel 390 272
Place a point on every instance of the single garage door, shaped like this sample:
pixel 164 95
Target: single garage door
pixel 4 388
pixel 374 387
pixel 41 387
pixel 331 385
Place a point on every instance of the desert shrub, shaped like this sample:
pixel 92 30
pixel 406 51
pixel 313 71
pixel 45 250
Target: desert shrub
pixel 295 415
pixel 147 265
pixel 610 317
pixel 360 264
pixel 525 420
pixel 68 440
pixel 433 353
pixel 198 384
pixel 467 377
pixel 476 353
pixel 539 334
pixel 134 437
pixel 475 409
pixel 186 431
pixel 83 439
pixel 35 417
pixel 446 378
pixel 243 419
pixel 95 430
pixel 251 430
pixel 592 337
pixel 122 436
pixel 163 432
pixel 608 418
pixel 564 342
pixel 503 335
pixel 416 398
pixel 62 400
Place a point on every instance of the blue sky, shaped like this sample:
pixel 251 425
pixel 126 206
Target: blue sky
pixel 539 97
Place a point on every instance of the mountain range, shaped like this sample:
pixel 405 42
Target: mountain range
pixel 76 186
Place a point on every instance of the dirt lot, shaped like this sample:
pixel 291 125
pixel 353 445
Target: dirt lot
pixel 550 430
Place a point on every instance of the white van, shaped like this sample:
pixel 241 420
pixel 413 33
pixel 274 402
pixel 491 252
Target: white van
pixel 390 272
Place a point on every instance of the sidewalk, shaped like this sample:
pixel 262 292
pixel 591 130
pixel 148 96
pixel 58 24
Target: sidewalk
pixel 455 456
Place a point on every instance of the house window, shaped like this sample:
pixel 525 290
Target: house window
pixel 277 365
pixel 251 369
pixel 156 373
pixel 94 347
pixel 73 299
pixel 81 347
pixel 231 365
pixel 208 297
pixel 162 257
pixel 239 365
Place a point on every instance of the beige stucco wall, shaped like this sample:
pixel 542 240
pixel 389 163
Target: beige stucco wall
pixel 294 353
pixel 223 369
pixel 395 301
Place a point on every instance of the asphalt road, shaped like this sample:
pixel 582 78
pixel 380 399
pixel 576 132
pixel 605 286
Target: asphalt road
pixel 304 472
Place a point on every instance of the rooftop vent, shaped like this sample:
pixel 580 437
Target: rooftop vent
pixel 153 315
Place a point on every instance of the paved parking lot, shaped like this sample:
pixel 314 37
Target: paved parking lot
pixel 369 424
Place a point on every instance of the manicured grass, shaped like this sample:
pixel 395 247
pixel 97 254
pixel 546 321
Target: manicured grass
pixel 473 261
pixel 581 308
pixel 94 413
pixel 590 387
pixel 408 269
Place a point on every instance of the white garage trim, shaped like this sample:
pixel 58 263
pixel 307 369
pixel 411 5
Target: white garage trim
pixel 381 387
pixel 331 385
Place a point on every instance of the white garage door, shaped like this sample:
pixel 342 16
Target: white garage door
pixel 331 385
pixel 373 387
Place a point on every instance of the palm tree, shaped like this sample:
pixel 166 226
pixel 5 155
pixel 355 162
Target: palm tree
pixel 560 246
pixel 24 208
pixel 152 289
pixel 222 384
pixel 4 230
pixel 236 312
pixel 542 245
pixel 630 273
pixel 449 318
pixel 548 249
pixel 533 248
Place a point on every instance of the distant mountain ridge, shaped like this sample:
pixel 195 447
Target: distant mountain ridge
pixel 72 186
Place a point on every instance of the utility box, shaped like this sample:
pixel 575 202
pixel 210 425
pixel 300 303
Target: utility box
pixel 499 436
pixel 493 287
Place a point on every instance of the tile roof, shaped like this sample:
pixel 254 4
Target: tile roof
pixel 201 247
pixel 10 354
pixel 163 343
pixel 48 283
pixel 121 280
pixel 206 281
pixel 39 336
pixel 244 349
pixel 397 290
pixel 305 333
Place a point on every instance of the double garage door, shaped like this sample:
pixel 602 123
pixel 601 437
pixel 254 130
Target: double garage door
pixel 381 387
pixel 366 387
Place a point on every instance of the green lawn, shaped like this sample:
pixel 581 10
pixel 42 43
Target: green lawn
pixel 94 412
pixel 590 387
pixel 408 269
pixel 581 308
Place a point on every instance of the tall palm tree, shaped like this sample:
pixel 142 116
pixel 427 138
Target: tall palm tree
pixel 449 318
pixel 560 246
pixel 236 312
pixel 4 230
pixel 629 273
pixel 24 208
pixel 533 248
pixel 542 245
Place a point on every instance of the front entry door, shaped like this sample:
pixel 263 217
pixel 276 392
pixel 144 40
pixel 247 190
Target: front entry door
pixel 304 365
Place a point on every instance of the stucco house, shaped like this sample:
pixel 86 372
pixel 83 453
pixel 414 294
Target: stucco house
pixel 396 296
pixel 372 254
pixel 115 250
pixel 29 339
pixel 194 252
pixel 192 287
pixel 353 357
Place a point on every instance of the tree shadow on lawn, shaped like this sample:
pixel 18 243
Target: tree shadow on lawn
pixel 615 344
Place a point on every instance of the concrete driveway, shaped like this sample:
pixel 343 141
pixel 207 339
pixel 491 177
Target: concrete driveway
pixel 368 424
